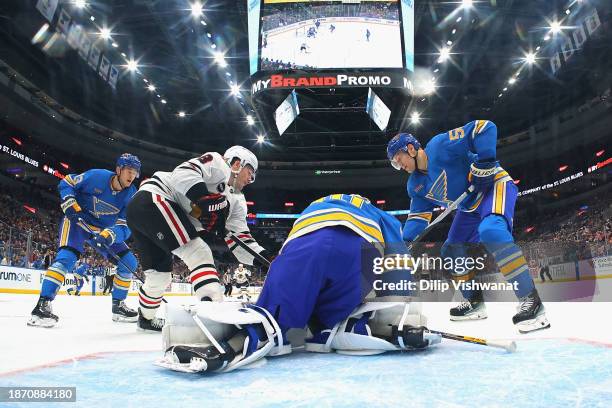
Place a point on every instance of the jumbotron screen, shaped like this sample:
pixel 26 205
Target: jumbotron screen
pixel 332 34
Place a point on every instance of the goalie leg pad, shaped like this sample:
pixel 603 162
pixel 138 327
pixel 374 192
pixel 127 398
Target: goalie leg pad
pixel 208 329
pixel 376 327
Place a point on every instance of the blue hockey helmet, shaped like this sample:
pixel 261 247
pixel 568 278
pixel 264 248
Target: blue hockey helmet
pixel 129 160
pixel 400 142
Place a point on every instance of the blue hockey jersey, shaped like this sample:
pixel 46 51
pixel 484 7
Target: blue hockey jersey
pixel 449 156
pixel 102 207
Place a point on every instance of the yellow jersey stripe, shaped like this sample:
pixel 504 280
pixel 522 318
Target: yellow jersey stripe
pixel 509 267
pixel 338 216
pixel 55 275
pixel 65 232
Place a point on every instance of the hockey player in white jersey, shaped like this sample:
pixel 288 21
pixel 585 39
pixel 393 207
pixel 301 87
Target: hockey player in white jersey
pixel 241 277
pixel 169 214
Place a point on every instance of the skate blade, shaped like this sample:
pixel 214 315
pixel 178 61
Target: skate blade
pixel 36 321
pixel 539 323
pixel 140 329
pixel 473 316
pixel 124 319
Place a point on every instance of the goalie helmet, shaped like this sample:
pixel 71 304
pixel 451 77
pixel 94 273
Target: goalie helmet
pixel 244 155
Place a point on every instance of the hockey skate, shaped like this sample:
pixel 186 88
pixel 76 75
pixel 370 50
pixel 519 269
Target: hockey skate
pixel 42 315
pixel 122 313
pixel 150 325
pixel 470 309
pixel 530 314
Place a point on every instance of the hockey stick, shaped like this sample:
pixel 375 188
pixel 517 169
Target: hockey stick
pixel 112 253
pixel 451 207
pixel 509 346
pixel 250 250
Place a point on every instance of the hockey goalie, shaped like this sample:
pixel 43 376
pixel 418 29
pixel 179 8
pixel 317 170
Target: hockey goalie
pixel 317 281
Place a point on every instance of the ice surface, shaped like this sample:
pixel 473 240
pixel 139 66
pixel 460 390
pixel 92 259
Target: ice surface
pixel 568 365
pixel 347 46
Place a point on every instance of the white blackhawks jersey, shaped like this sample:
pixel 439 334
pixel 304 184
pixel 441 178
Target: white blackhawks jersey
pixel 241 276
pixel 209 168
pixel 237 224
pixel 214 171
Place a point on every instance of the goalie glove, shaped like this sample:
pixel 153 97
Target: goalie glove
pixel 418 337
pixel 482 174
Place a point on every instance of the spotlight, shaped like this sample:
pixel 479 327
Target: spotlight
pixel 181 114
pixel 261 138
pixel 235 89
pixel 115 45
pixel 555 27
pixel 132 65
pixel 105 33
pixel 80 3
pixel 415 117
pixel 196 9
pixel 220 60
pixel 511 81
pixel 164 101
pixel 530 58
pixel 466 4
pixel 444 54
pixel 151 87
pixel 250 120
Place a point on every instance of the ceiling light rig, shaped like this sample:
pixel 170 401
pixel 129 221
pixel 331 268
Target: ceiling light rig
pixel 131 65
pixel 428 86
pixel 530 58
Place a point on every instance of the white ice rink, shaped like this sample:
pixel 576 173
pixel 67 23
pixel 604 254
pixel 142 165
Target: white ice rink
pixel 111 363
pixel 347 46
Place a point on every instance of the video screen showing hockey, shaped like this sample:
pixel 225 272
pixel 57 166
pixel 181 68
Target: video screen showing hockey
pixel 184 224
pixel 330 34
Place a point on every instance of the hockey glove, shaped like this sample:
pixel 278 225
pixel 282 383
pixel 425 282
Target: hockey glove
pixel 482 174
pixel 214 211
pixel 71 209
pixel 418 337
pixel 104 239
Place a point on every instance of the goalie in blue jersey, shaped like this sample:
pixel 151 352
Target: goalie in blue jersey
pixel 323 279
pixel 94 205
pixel 449 164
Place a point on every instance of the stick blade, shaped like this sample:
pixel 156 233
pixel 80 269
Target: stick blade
pixel 509 346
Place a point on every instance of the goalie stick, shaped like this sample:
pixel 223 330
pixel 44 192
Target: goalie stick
pixel 509 346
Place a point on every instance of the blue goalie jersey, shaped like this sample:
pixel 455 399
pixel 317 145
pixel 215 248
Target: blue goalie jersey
pixel 354 212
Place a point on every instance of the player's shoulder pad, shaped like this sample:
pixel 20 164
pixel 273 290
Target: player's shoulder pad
pixel 477 127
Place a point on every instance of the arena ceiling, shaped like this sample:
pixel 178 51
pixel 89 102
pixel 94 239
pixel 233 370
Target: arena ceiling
pixel 483 47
